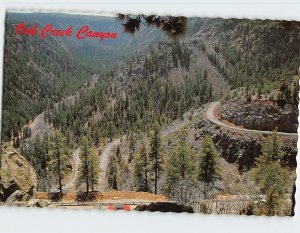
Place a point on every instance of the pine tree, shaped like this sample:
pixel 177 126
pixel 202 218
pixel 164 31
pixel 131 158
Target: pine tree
pixel 95 169
pixel 110 130
pixel 179 169
pixel 131 147
pixel 184 159
pixel 209 169
pixel 271 150
pixel 58 158
pixel 112 174
pixel 247 90
pixel 172 176
pixel 141 166
pixel 156 156
pixel 88 167
pixel 270 176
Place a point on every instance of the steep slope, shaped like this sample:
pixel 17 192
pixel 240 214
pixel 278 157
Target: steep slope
pixel 169 81
pixel 166 80
pixel 37 73
pixel 17 177
pixel 158 85
pixel 41 72
pixel 260 51
pixel 262 115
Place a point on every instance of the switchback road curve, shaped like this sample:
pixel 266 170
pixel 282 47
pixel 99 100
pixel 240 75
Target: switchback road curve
pixel 212 118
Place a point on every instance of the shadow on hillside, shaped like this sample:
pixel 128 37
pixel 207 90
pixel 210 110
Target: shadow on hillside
pixel 55 196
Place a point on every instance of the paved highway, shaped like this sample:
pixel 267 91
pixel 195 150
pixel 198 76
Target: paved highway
pixel 104 161
pixel 211 117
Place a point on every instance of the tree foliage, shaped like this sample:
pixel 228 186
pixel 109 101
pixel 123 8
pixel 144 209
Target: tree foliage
pixel 89 170
pixel 36 152
pixel 37 73
pixel 117 171
pixel 58 162
pixel 209 170
pixel 180 174
pixel 141 170
pixel 156 156
pixel 270 176
pixel 171 25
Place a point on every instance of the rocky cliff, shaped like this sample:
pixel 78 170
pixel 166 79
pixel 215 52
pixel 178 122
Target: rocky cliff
pixel 242 149
pixel 18 180
pixel 261 115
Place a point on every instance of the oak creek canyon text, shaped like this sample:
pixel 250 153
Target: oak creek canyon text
pixel 49 30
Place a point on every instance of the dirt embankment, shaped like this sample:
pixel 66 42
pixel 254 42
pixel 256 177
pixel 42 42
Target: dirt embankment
pixel 107 196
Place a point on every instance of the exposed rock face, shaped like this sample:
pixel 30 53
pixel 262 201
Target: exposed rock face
pixel 17 175
pixel 261 115
pixel 17 197
pixel 37 203
pixel 242 149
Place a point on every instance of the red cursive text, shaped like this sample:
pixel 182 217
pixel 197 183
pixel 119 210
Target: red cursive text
pixel 22 29
pixel 85 32
pixel 49 30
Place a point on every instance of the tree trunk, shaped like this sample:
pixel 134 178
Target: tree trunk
pixel 58 168
pixel 87 180
pixel 146 175
pixel 156 175
pixel 87 186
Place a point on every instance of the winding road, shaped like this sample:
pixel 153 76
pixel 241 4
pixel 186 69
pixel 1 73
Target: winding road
pixel 210 114
pixel 104 159
pixel 108 150
pixel 70 185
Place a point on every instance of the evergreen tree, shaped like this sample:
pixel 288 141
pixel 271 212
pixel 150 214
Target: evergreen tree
pixel 141 166
pixel 58 158
pixel 179 171
pixel 172 176
pixel 117 171
pixel 248 95
pixel 95 169
pixel 89 166
pixel 270 176
pixel 156 156
pixel 131 147
pixel 271 150
pixel 112 174
pixel 209 168
pixel 184 161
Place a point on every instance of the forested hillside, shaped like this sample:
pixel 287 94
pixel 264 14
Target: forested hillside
pixel 37 73
pixel 142 103
pixel 157 86
pixel 260 51
pixel 168 79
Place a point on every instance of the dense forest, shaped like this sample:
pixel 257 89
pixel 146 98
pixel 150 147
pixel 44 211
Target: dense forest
pixel 261 51
pixel 37 74
pixel 132 99
pixel 168 80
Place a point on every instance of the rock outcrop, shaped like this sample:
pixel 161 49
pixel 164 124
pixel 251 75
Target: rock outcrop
pixel 261 115
pixel 18 197
pixel 18 179
pixel 37 203
pixel 242 149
